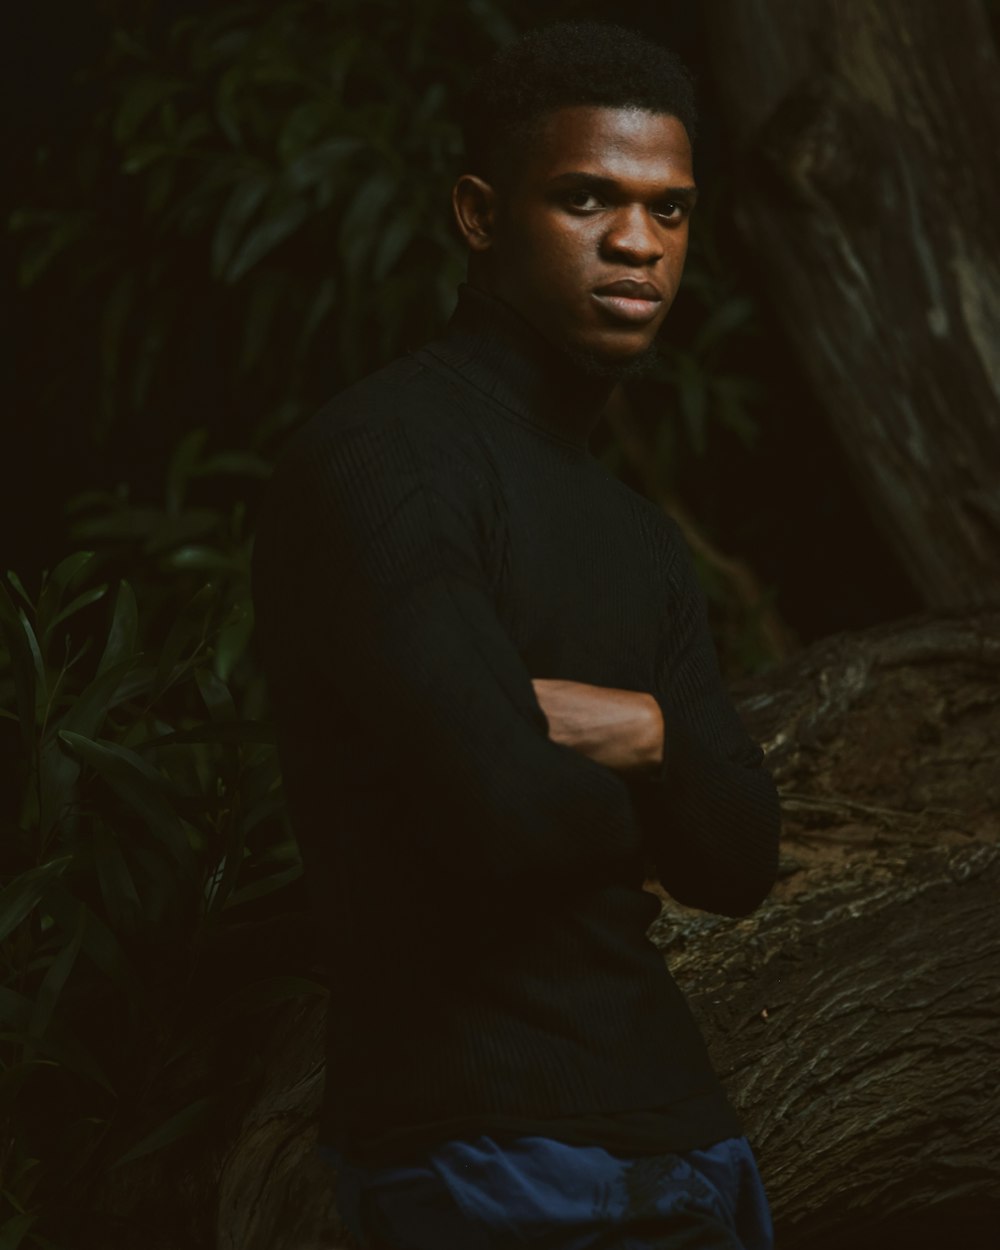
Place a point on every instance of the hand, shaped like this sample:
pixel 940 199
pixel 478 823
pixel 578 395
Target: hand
pixel 622 729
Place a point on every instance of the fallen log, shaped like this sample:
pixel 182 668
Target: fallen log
pixel 855 1016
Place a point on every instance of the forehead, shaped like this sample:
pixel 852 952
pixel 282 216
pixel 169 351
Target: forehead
pixel 621 143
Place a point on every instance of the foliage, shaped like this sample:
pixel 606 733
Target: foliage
pixel 168 549
pixel 149 816
pixel 277 174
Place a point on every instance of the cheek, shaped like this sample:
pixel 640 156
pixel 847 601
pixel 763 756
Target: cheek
pixel 562 246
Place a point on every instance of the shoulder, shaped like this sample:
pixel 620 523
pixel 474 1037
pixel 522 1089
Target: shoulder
pixel 394 452
pixel 404 419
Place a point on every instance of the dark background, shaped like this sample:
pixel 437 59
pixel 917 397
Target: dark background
pixel 128 330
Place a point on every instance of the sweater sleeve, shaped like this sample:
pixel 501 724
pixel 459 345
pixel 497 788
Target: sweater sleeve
pixel 709 813
pixel 392 600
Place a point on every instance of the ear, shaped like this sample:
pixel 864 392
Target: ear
pixel 474 202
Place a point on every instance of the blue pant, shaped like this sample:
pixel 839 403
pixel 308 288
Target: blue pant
pixel 480 1195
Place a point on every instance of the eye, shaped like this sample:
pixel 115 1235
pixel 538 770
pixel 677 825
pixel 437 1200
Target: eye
pixel 582 200
pixel 670 211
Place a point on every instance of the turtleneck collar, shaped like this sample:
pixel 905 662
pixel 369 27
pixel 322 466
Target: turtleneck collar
pixel 505 357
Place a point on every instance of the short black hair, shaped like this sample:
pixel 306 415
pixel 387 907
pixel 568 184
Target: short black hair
pixel 565 64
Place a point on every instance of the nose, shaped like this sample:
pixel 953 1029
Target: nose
pixel 633 236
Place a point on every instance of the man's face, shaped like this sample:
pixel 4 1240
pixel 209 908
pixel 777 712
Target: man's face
pixel 591 227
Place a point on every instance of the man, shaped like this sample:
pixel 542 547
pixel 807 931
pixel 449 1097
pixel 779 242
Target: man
pixel 498 704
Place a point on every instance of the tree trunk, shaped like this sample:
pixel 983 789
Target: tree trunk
pixel 855 1017
pixel 865 142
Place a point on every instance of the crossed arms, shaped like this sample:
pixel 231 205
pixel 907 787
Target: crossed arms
pixel 621 729
pixel 371 587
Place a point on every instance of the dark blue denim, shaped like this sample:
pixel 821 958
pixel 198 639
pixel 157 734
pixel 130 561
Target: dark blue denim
pixel 481 1195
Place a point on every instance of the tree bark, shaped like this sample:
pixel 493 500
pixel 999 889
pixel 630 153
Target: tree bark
pixel 856 1016
pixel 865 162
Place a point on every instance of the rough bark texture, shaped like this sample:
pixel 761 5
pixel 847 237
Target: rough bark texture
pixel 865 137
pixel 855 1017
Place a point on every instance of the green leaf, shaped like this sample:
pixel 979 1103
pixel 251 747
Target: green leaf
pixel 319 308
pixel 216 696
pixel 67 1052
pixel 142 96
pixel 193 1117
pixel 66 574
pixel 361 222
pixel 106 691
pixel 262 810
pixel 59 769
pixel 123 523
pixel 62 231
pixel 143 155
pixel 281 221
pixel 233 640
pixel 83 600
pixel 265 886
pixel 308 168
pixel 185 457
pixel 395 240
pixel 57 774
pixel 189 625
pixel 220 883
pixel 118 888
pixel 122 634
pixel 301 126
pixel 169 531
pixel 15 1010
pixel 246 731
pixel 23 670
pixel 14 1231
pixel 18 585
pixel 204 559
pixel 99 944
pixel 54 980
pixel 139 785
pixel 226 99
pixel 21 896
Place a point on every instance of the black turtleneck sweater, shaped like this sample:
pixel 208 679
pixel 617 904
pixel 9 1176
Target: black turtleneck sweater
pixel 433 539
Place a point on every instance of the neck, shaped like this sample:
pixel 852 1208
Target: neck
pixel 502 353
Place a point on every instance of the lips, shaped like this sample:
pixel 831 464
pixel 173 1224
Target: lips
pixel 630 288
pixel 629 300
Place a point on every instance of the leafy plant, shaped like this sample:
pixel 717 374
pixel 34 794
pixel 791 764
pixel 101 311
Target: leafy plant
pixel 260 192
pixel 167 548
pixel 147 816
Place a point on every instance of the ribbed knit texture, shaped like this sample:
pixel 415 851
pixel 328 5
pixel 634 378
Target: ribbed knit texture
pixel 437 536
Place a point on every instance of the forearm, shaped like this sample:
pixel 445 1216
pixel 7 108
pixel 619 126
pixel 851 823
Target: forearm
pixel 712 822
pixel 621 729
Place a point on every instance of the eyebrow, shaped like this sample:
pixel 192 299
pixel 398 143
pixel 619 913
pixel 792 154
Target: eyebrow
pixel 686 194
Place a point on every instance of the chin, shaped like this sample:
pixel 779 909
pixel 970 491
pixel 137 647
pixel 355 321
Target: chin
pixel 618 367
